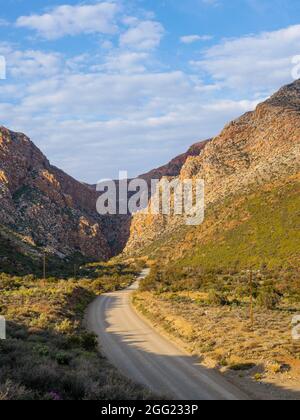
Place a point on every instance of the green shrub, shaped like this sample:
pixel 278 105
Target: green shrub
pixel 63 358
pixel 89 341
pixel 268 298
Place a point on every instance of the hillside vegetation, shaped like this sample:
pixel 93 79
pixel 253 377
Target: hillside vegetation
pixel 254 231
pixel 48 355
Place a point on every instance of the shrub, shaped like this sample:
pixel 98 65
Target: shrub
pixel 268 298
pixel 217 299
pixel 63 358
pixel 89 341
pixel 242 366
pixel 65 327
pixel 10 390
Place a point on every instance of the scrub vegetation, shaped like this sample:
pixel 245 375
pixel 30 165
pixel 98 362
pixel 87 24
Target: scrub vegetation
pixel 48 355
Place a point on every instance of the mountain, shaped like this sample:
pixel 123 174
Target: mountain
pixel 174 167
pixel 117 228
pixel 251 174
pixel 44 208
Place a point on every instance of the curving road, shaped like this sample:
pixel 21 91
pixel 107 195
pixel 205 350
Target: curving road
pixel 143 355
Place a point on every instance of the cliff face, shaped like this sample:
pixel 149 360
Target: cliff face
pixel 43 205
pixel 260 147
pixel 117 228
pixel 174 167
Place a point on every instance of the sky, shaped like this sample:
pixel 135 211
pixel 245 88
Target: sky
pixel 107 86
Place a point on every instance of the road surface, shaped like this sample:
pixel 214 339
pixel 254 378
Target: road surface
pixel 143 355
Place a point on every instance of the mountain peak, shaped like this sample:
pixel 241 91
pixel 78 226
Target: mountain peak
pixel 288 96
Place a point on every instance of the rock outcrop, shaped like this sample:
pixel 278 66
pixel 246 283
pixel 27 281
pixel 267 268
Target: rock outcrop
pixel 43 205
pixel 174 167
pixel 258 148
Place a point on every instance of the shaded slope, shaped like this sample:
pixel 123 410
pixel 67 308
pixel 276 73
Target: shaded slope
pixel 45 206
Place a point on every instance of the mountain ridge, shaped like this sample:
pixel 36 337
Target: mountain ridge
pixel 47 209
pixel 260 147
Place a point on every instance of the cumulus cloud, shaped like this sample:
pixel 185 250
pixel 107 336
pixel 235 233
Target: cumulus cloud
pixel 31 64
pixel 144 35
pixel 125 62
pixel 73 20
pixel 254 63
pixel 94 122
pixel 119 108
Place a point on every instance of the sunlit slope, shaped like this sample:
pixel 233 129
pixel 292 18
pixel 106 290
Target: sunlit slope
pixel 262 228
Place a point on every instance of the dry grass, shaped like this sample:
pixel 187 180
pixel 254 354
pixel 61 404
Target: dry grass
pixel 265 358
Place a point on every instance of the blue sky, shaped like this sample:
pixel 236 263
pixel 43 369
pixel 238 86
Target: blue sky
pixel 103 86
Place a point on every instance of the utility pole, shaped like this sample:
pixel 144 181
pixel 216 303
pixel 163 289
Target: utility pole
pixel 251 299
pixel 44 266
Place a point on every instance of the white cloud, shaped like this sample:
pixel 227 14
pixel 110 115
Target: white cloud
pixel 90 149
pixel 92 124
pixel 190 39
pixel 126 62
pixel 73 20
pixel 255 63
pixel 144 35
pixel 31 63
pixel 121 109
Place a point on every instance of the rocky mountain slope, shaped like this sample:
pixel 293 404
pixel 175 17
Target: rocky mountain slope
pixel 258 151
pixel 45 209
pixel 43 206
pixel 174 167
pixel 117 228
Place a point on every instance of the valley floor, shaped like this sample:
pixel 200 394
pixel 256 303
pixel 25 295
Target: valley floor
pixel 48 355
pixel 264 361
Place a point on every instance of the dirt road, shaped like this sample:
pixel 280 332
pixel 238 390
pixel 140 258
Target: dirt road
pixel 142 354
